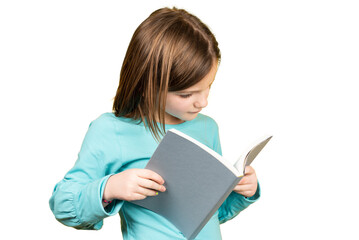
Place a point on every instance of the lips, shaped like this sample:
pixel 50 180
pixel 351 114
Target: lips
pixel 195 112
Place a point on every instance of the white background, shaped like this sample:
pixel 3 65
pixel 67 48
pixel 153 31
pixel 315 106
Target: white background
pixel 289 68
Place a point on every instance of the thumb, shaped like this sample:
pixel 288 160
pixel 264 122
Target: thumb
pixel 249 170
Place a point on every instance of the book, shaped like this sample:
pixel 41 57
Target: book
pixel 197 180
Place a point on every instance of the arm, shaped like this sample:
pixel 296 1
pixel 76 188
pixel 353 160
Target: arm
pixel 246 192
pixel 77 199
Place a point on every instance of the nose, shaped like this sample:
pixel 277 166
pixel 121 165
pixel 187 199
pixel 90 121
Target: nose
pixel 202 101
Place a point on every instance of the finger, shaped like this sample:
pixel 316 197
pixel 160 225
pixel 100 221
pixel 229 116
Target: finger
pixel 243 188
pixel 149 184
pixel 243 181
pixel 247 180
pixel 249 170
pixel 147 192
pixel 138 196
pixel 247 192
pixel 249 177
pixel 149 174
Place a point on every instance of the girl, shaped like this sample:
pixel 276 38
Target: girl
pixel 167 72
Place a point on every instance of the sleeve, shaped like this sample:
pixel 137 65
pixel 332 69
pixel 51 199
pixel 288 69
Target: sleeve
pixel 77 200
pixel 235 203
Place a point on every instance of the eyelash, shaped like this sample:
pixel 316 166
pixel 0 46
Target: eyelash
pixel 185 96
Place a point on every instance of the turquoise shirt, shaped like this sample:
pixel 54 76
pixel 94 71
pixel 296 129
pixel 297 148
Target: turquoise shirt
pixel 112 145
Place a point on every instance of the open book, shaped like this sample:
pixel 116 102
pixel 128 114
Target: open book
pixel 197 180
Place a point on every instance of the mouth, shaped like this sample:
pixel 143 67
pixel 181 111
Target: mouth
pixel 195 112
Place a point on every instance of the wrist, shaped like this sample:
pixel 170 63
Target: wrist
pixel 107 196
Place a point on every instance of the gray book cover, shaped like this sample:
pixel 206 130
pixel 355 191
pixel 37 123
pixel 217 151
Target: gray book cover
pixel 196 181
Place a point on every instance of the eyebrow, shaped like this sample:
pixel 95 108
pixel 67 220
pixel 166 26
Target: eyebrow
pixel 185 92
pixel 194 91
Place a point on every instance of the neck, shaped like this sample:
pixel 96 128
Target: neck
pixel 171 120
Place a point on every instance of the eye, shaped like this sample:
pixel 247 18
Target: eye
pixel 185 95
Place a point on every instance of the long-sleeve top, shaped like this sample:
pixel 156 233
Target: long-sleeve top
pixel 114 144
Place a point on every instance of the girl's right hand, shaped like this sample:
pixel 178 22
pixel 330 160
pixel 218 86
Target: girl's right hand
pixel 133 184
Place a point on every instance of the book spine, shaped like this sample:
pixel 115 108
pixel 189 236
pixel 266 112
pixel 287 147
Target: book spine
pixel 215 208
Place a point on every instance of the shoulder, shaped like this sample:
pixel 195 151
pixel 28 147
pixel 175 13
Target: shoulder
pixel 104 122
pixel 109 123
pixel 101 129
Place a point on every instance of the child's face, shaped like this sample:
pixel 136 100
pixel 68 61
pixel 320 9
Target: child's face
pixel 185 105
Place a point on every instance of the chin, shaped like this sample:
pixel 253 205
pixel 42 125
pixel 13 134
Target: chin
pixel 190 116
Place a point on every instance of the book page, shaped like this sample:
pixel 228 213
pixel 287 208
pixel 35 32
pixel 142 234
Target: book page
pixel 251 154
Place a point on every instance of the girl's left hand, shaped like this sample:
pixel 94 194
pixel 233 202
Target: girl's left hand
pixel 247 186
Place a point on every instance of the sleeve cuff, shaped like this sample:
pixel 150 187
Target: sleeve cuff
pixel 235 203
pixel 94 211
pixel 114 207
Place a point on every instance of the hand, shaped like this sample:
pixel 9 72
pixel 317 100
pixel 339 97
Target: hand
pixel 133 184
pixel 247 186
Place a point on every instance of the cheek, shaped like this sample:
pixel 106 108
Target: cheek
pixel 177 105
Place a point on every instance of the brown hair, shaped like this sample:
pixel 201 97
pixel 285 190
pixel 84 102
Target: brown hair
pixel 170 51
